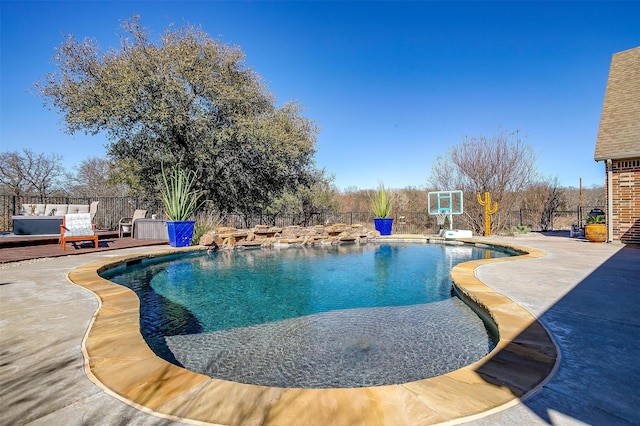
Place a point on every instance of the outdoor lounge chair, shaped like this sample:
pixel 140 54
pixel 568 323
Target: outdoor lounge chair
pixel 126 224
pixel 93 209
pixel 77 227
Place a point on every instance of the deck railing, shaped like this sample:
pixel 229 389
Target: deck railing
pixel 110 209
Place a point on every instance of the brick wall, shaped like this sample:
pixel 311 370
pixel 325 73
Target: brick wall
pixel 625 216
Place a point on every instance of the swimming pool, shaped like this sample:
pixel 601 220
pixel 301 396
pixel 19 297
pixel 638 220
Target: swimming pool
pixel 339 316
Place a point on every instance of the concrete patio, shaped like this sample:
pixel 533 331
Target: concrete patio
pixel 585 294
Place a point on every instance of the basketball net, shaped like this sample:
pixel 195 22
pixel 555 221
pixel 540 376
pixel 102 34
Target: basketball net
pixel 440 217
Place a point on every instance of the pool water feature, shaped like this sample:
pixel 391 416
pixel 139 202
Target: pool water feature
pixel 338 316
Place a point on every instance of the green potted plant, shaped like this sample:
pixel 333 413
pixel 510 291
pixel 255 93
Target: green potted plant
pixel 381 204
pixel 180 199
pixel 596 229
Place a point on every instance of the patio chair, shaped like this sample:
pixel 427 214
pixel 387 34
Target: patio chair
pixel 93 209
pixel 77 227
pixel 127 224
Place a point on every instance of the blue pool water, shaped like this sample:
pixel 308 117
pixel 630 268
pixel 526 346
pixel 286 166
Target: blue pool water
pixel 337 316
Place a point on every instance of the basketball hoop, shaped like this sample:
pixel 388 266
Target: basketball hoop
pixel 445 203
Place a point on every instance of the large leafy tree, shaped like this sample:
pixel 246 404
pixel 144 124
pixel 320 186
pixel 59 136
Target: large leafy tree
pixel 317 197
pixel 187 100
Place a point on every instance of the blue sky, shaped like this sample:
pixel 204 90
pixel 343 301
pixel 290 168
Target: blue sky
pixel 390 84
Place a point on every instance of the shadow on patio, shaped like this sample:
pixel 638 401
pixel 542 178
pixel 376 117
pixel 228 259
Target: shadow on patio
pixel 597 328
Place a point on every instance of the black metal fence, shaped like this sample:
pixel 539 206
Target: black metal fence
pixel 407 223
pixel 560 220
pixel 112 209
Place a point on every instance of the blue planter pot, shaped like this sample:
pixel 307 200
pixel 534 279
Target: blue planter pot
pixel 180 232
pixel 383 225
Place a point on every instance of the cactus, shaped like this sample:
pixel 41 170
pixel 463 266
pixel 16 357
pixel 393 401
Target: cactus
pixel 488 211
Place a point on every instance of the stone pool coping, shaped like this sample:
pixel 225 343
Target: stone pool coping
pixel 118 360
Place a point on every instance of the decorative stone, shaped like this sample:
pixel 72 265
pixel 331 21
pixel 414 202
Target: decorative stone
pixel 228 243
pixel 249 244
pixel 206 239
pixel 224 229
pixel 228 238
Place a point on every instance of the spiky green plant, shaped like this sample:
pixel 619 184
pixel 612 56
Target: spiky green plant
pixel 179 196
pixel 381 202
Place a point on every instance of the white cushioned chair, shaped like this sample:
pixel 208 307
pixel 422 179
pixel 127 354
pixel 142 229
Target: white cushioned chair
pixel 77 227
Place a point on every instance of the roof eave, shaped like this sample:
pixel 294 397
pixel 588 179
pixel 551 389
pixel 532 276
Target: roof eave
pixel 626 156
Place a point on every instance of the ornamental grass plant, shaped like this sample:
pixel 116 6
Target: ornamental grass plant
pixel 179 196
pixel 206 221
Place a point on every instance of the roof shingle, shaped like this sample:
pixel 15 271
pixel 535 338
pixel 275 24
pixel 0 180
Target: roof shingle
pixel 619 131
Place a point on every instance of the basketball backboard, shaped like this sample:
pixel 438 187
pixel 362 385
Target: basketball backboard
pixel 445 202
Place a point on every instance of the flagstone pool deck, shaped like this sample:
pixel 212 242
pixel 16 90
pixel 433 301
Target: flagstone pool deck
pixel 68 358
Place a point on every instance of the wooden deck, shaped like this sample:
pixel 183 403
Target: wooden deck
pixel 15 248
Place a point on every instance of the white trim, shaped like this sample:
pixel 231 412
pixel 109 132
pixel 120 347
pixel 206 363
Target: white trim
pixel 609 168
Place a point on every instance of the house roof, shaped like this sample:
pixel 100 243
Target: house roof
pixel 619 131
